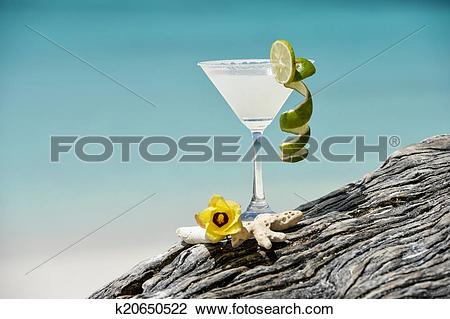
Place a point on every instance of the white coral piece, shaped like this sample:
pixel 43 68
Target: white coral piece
pixel 266 229
pixel 193 235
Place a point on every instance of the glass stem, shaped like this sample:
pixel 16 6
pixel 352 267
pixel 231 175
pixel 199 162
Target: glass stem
pixel 258 188
pixel 258 204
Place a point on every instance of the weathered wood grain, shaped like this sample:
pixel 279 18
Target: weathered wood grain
pixel 385 236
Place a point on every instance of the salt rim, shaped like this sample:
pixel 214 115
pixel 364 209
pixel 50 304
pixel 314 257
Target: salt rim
pixel 239 66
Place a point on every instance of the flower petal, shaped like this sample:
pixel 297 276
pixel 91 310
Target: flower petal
pixel 213 237
pixel 218 202
pixel 204 217
pixel 234 228
pixel 235 211
pixel 233 205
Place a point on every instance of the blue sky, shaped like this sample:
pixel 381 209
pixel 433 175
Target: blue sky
pixel 153 48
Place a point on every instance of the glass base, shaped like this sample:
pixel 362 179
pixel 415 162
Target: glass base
pixel 256 208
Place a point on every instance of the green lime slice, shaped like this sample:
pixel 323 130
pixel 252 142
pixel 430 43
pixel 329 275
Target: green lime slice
pixel 294 144
pixel 298 156
pixel 293 121
pixel 282 59
pixel 290 72
pixel 305 68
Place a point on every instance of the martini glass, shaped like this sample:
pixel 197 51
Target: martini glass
pixel 250 89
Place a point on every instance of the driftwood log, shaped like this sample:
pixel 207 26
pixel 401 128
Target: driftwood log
pixel 385 236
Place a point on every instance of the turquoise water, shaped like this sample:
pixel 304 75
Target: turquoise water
pixel 153 48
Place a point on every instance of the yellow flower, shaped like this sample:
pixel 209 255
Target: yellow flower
pixel 221 218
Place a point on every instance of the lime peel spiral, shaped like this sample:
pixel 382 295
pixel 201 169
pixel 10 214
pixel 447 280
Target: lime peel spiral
pixel 291 71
